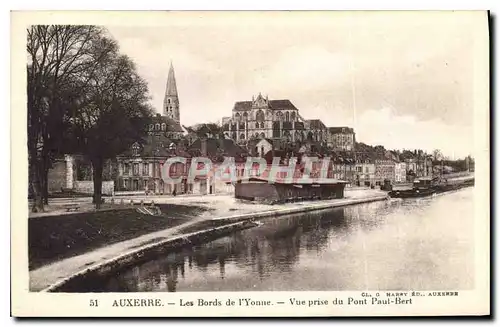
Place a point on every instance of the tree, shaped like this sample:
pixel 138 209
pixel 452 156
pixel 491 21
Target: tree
pixel 110 114
pixel 57 54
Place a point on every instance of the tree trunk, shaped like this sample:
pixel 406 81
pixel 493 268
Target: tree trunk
pixel 97 165
pixel 45 182
pixel 36 187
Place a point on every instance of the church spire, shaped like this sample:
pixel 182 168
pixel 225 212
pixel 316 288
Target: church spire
pixel 171 101
pixel 171 84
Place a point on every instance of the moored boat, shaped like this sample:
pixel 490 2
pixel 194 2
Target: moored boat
pixel 427 186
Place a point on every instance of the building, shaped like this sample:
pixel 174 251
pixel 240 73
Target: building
pixel 365 173
pixel 400 172
pixel 341 138
pixel 384 170
pixel 271 119
pixel 139 168
pixel 216 150
pixel 171 107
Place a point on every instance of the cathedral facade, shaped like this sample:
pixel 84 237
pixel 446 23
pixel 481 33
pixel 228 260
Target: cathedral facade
pixel 271 119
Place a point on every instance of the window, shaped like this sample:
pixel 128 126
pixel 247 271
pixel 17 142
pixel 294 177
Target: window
pixel 125 183
pixel 163 127
pixel 127 169
pixel 157 127
pixel 367 170
pixel 242 136
pixel 135 149
pixel 136 169
pixel 145 168
pixel 262 135
pixel 287 116
pixel 168 101
pixel 260 116
pixel 293 116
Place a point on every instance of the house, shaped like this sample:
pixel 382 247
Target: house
pixel 341 138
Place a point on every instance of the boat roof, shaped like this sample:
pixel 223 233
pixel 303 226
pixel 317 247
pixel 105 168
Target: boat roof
pixel 296 181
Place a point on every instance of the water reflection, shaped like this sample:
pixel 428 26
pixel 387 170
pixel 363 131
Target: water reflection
pixel 389 245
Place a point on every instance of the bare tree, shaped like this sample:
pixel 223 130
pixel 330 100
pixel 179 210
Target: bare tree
pixel 57 54
pixel 110 114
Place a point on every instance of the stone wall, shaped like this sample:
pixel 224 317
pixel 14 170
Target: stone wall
pixel 57 177
pixel 88 187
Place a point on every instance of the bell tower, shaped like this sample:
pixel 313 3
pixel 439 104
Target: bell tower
pixel 171 101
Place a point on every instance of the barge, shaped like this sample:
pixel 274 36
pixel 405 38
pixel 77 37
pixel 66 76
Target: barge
pixel 428 186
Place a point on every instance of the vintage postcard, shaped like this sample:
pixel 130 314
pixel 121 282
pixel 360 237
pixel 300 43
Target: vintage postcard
pixel 195 164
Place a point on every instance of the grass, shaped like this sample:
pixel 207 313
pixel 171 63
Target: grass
pixel 53 238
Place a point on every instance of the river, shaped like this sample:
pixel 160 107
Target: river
pixel 419 244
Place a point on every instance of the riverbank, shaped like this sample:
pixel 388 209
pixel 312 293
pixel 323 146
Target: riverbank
pixel 224 211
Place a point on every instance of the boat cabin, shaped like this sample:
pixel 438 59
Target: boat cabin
pixel 262 190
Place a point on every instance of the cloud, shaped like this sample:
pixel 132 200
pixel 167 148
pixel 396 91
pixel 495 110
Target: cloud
pixel 386 128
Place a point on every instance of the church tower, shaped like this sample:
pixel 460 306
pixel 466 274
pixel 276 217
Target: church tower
pixel 171 101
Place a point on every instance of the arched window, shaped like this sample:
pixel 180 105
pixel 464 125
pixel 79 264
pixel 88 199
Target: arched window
pixel 310 136
pixel 242 136
pixel 279 116
pixel 163 127
pixel 262 135
pixel 237 116
pixel 256 135
pixel 168 101
pixel 293 116
pixel 287 116
pixel 260 116
pixel 245 116
pixel 287 135
pixel 157 127
pixel 151 127
pixel 135 149
pixel 316 135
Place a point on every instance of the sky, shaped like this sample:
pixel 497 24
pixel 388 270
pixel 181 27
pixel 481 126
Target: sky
pixel 402 80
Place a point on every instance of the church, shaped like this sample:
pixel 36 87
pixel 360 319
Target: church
pixel 271 119
pixel 139 168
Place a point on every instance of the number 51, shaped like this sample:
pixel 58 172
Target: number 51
pixel 94 303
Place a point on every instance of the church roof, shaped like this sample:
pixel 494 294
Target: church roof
pixel 172 125
pixel 316 124
pixel 273 104
pixel 341 130
pixel 171 84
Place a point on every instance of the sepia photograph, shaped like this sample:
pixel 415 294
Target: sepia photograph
pixel 250 163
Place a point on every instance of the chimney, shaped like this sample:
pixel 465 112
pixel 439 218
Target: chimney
pixel 203 141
